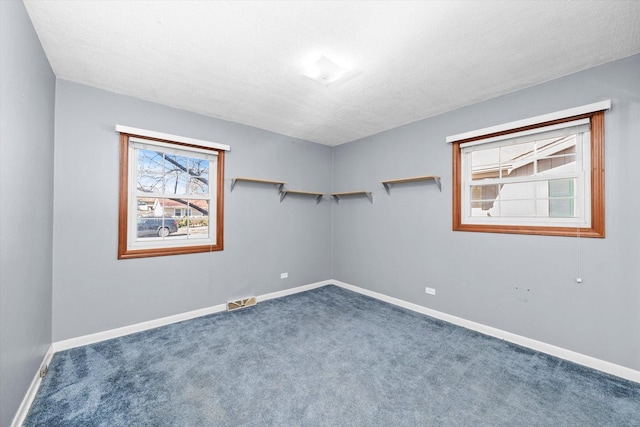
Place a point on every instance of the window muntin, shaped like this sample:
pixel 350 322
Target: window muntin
pixel 543 179
pixel 160 179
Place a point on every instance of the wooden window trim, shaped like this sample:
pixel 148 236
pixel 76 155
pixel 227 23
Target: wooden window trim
pixel 597 228
pixel 123 214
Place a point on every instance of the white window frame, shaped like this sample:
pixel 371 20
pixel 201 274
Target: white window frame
pixel 582 175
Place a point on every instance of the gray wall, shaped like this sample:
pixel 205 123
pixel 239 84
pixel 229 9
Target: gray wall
pixel 27 85
pixel 93 291
pixel 397 245
pixel 403 242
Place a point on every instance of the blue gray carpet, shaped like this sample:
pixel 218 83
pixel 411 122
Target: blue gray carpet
pixel 326 357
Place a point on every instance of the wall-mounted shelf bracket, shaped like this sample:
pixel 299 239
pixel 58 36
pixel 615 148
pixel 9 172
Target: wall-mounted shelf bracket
pixel 278 184
pixel 318 196
pixel 388 183
pixel 367 194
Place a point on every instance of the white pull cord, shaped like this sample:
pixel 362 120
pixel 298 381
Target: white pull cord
pixel 579 256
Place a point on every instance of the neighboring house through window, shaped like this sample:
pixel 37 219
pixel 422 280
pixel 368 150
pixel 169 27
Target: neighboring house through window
pixel 164 178
pixel 543 175
pixel 183 212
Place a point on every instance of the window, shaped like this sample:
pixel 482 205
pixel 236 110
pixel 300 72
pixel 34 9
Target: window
pixel 538 176
pixel 171 195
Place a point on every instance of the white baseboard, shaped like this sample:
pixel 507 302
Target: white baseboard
pixel 132 329
pixel 562 353
pixel 591 362
pixel 139 327
pixel 18 419
pixel 296 290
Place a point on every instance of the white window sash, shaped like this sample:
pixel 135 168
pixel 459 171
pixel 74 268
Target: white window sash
pixel 168 137
pixel 133 242
pixel 554 131
pixel 528 221
pixel 139 193
pixel 143 144
pixel 582 188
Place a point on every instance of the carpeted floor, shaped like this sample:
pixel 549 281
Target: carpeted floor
pixel 326 357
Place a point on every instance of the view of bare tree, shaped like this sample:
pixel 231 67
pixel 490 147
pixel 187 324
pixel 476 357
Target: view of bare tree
pixel 167 173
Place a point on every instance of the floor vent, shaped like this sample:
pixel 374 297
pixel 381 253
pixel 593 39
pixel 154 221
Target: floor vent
pixel 241 303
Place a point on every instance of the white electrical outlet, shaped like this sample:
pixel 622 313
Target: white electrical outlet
pixel 284 275
pixel 430 291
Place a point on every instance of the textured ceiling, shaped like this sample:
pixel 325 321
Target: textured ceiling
pixel 243 60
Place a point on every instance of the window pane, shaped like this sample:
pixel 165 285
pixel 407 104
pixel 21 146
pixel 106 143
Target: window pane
pixel 557 164
pixel 518 191
pixel 562 198
pixel 151 223
pixel 199 176
pixel 145 205
pixel 557 154
pixel 561 188
pixel 514 208
pixel 485 163
pixel 562 208
pixel 197 225
pixel 542 206
pixel 516 151
pixel 150 171
pixel 518 159
pixel 477 209
pixel 176 176
pixel 482 198
pixel 162 218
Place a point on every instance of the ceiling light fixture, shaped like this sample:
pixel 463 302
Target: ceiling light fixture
pixel 324 71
